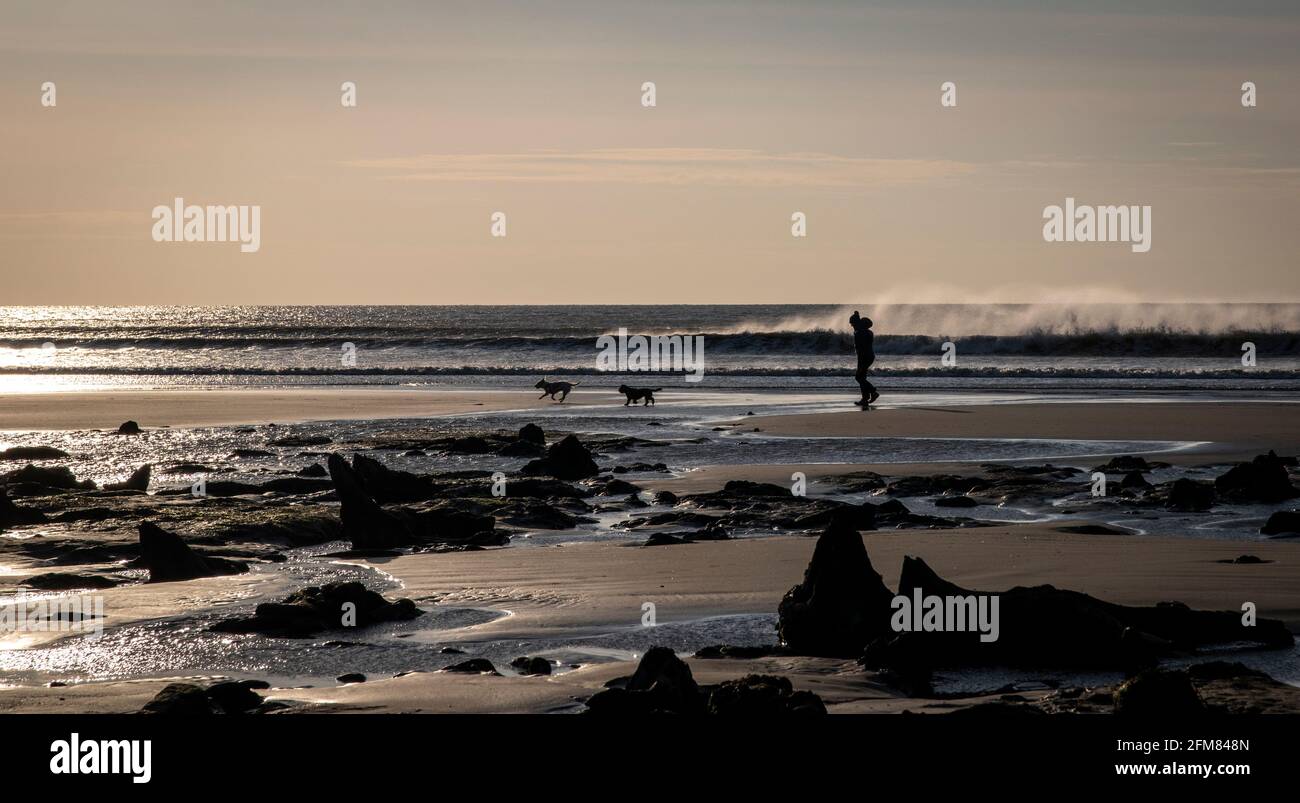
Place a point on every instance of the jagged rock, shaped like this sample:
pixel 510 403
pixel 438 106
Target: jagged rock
pixel 385 484
pixel 842 604
pixel 50 476
pixel 1282 522
pixel 315 609
pixel 1159 693
pixel 762 695
pixel 1046 627
pixel 168 558
pixel 1264 479
pixel 1185 494
pixel 566 460
pixel 33 453
pixel 531 666
pixel 138 481
pixel 662 683
pixel 12 515
pixel 129 428
pixel 474 666
pixel 1134 481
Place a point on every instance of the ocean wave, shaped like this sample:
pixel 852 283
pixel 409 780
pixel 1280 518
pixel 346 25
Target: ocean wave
pixel 1040 343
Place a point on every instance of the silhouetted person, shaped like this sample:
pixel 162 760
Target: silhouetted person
pixel 864 342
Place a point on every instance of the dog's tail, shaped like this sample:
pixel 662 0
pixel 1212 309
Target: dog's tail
pixel 575 384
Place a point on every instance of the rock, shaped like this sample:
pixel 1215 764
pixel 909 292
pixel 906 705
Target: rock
pixel 531 433
pixel 11 515
pixel 33 453
pixel 566 460
pixel 129 428
pixel 474 666
pixel 663 539
pixel 236 696
pixel 665 498
pixel 955 501
pixel 1159 693
pixel 314 470
pixel 1134 481
pixel 451 651
pixel 662 683
pixel 531 666
pixel 1264 479
pixel 521 449
pixel 538 515
pixel 762 695
pixel 385 484
pixel 138 481
pixel 842 604
pixel 1245 560
pixel 315 609
pixel 184 699
pixel 351 677
pixel 168 558
pixel 60 581
pixel 635 500
pixel 1185 494
pixel 50 476
pixel 1124 463
pixel 1046 627
pixel 1283 521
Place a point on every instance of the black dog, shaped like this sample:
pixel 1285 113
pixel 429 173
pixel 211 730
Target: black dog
pixel 636 394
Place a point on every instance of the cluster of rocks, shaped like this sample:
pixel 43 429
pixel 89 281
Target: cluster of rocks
pixel 843 608
pixel 663 684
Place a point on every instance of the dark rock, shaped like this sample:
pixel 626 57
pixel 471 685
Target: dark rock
pixel 1264 479
pixel 451 651
pixel 315 609
pixel 168 558
pixel 11 515
pixel 531 666
pixel 385 484
pixel 662 683
pixel 842 604
pixel 663 539
pixel 762 695
pixel 538 515
pixel 128 428
pixel 1134 481
pixel 59 581
pixel 1282 521
pixel 531 433
pixel 236 696
pixel 183 699
pixel 1185 494
pixel 1045 627
pixel 521 449
pixel 566 460
pixel 1159 693
pixel 33 453
pixel 1245 560
pixel 314 470
pixel 474 666
pixel 50 476
pixel 665 498
pixel 351 677
pixel 1124 463
pixel 635 500
pixel 138 481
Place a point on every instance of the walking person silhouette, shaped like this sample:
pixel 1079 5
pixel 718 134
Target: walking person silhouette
pixel 864 344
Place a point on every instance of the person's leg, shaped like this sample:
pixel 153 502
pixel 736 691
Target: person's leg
pixel 861 378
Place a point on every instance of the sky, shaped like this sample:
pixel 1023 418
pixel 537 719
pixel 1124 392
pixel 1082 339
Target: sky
pixel 763 109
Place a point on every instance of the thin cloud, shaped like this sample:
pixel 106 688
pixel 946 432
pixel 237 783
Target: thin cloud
pixel 668 166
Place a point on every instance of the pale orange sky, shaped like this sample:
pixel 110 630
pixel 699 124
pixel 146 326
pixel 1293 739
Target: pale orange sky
pixel 534 109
